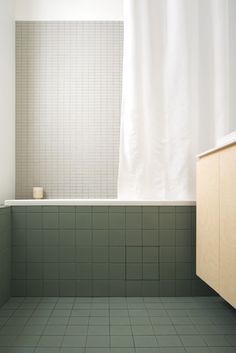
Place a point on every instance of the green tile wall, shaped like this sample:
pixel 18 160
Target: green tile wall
pixel 104 251
pixel 5 254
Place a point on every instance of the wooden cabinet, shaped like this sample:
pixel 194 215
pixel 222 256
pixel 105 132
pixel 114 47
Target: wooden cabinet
pixel 208 230
pixel 216 221
pixel 228 224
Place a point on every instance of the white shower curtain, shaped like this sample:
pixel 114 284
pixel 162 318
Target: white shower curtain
pixel 175 94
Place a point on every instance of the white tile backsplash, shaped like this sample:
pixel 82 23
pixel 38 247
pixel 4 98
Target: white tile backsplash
pixel 68 98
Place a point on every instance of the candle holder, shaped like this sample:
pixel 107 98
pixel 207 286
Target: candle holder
pixel 37 192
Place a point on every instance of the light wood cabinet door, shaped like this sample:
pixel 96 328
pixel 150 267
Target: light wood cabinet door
pixel 208 227
pixel 228 224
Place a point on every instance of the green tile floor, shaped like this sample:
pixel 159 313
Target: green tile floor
pixel 117 325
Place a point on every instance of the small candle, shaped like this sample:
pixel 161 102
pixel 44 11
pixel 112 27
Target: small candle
pixel 37 192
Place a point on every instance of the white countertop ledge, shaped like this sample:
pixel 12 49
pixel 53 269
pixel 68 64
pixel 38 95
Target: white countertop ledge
pixel 224 142
pixel 96 202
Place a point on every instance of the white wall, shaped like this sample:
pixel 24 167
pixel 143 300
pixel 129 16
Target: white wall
pixel 232 81
pixel 7 105
pixel 65 10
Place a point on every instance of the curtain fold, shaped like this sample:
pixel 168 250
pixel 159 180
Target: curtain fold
pixel 175 94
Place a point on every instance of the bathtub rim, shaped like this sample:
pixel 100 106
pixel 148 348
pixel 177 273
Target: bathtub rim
pixel 96 202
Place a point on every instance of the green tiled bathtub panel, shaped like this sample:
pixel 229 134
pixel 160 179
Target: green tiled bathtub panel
pixel 104 251
pixel 5 254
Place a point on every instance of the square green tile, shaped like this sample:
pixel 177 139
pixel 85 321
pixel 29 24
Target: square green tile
pixel 18 288
pixel 184 237
pixel 34 254
pixel 167 221
pixel 50 209
pixel 74 341
pixel 165 330
pixel 100 254
pixel 76 330
pixel 50 341
pixel 18 209
pixel 117 271
pixel 120 330
pixel 67 254
pixel 34 270
pixel 133 271
pixel 100 209
pixel 150 271
pixel 84 270
pixel 167 288
pixel 19 254
pixel 150 254
pixel 183 221
pixel 100 270
pixel 150 237
pixel 51 254
pixel 167 270
pixel 84 288
pixel 133 254
pixel 167 209
pixel 67 237
pixel 117 220
pixel 145 341
pixel 100 288
pixel 67 220
pixel 169 341
pixel 19 237
pixel 133 237
pixel 18 270
pixel 83 220
pixel 83 209
pixel 34 220
pixel 167 254
pixel 100 220
pixel 34 237
pixel 83 254
pixel 116 209
pixel 67 288
pixel 50 237
pixel 150 288
pixel 122 341
pixel 19 220
pixel 100 237
pixel 150 220
pixel 133 220
pixel 95 330
pixel 98 341
pixel 192 341
pixel 34 288
pixel 50 220
pixel 116 237
pixel 184 254
pixel 133 288
pixel 27 341
pixel 67 271
pixel 66 209
pixel 117 288
pixel 117 254
pixel 142 330
pixel 51 271
pixel 133 209
pixel 83 237
pixel 184 271
pixel 184 209
pixel 167 237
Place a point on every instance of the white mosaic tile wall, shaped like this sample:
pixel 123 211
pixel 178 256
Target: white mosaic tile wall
pixel 68 97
